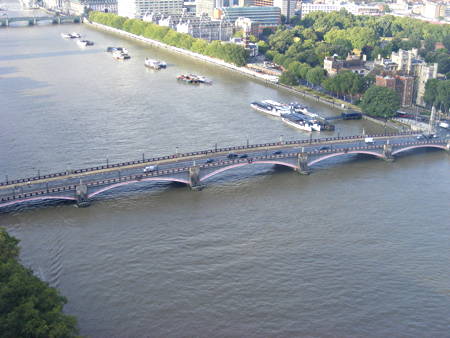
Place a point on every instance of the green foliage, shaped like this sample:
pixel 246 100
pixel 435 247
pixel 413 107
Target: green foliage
pixel 437 93
pixel 288 78
pixel 28 306
pixel 380 102
pixel 320 34
pixel 347 83
pixel 228 52
pixel 315 75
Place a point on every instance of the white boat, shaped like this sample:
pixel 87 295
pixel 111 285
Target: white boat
pixel 75 35
pixel 297 123
pixel 203 79
pixel 114 49
pixel 155 64
pixel 67 36
pixel 119 55
pixel 84 43
pixel 270 107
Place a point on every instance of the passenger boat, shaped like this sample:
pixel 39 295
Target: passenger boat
pixel 119 55
pixel 155 64
pixel 270 107
pixel 70 35
pixel 114 49
pixel 192 78
pixel 84 43
pixel 298 121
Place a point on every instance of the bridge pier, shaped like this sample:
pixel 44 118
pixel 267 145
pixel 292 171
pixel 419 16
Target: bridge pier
pixel 194 178
pixel 302 163
pixel 82 196
pixel 448 146
pixel 387 152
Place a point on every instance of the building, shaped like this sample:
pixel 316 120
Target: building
pixel 206 7
pixel 79 7
pixel 266 17
pixel 353 63
pixel 198 27
pixel 424 73
pixel 248 26
pixel 402 84
pixel 405 60
pixel 287 8
pixel 138 8
pixel 434 10
pixel 329 7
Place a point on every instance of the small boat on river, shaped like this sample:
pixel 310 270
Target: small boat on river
pixel 155 64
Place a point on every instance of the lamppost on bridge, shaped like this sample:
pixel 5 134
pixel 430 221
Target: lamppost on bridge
pixel 176 151
pixel 107 162
pixel 39 173
pixel 385 122
pixel 143 157
pixel 281 139
pixel 6 176
pixel 215 147
pixel 247 142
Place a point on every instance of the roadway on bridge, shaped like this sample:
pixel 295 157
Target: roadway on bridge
pixel 184 162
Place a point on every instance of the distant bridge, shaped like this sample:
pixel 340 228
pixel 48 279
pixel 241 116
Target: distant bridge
pixel 194 169
pixel 33 20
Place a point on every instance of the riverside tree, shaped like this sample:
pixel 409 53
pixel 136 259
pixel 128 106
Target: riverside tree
pixel 380 102
pixel 28 306
pixel 228 52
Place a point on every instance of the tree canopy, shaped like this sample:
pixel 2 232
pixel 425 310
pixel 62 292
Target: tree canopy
pixel 380 102
pixel 28 306
pixel 228 52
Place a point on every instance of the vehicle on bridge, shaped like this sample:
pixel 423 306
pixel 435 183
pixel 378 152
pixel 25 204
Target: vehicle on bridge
pixel 150 168
pixel 369 140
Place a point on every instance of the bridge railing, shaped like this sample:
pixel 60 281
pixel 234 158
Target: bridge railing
pixel 199 153
pixel 72 187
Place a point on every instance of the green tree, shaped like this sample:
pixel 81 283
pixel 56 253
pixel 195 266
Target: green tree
pixel 28 306
pixel 288 78
pixel 315 75
pixel 380 102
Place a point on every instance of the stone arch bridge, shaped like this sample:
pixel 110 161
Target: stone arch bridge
pixel 195 169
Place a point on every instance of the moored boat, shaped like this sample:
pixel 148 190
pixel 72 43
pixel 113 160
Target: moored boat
pixel 84 43
pixel 270 107
pixel 119 55
pixel 297 121
pixel 155 64
pixel 114 49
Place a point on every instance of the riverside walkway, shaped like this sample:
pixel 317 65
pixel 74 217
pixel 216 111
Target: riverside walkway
pixel 194 169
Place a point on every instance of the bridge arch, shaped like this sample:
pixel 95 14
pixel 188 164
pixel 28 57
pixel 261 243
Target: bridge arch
pixel 237 165
pixel 37 198
pixel 149 179
pixel 366 152
pixel 438 146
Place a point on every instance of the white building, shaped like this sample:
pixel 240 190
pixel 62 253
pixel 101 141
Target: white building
pixel 138 8
pixel 287 8
pixel 424 72
pixel 331 7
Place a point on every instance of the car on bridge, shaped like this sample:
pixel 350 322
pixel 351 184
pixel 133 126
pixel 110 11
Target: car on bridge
pixel 232 155
pixel 150 168
pixel 209 160
pixel 278 152
pixel 243 156
pixel 324 148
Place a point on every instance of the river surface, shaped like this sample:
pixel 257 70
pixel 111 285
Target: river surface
pixel 359 248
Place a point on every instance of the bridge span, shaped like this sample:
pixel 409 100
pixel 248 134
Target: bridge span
pixel 195 169
pixel 34 20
